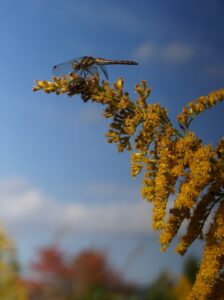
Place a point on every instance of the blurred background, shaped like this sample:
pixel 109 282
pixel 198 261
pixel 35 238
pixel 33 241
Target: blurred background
pixel 62 187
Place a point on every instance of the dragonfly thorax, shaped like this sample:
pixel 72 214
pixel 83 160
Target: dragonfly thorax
pixel 84 63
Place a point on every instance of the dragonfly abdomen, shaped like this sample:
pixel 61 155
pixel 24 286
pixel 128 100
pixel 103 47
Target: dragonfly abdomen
pixel 102 61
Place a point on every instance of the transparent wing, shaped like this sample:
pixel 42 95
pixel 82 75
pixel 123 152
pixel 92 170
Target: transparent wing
pixel 90 71
pixel 104 71
pixel 65 68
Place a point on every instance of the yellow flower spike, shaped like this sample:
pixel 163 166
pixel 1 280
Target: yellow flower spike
pixel 192 105
pixel 212 261
pixel 120 84
pixel 199 106
pixel 106 85
pixel 144 87
pixel 40 83
pixel 213 100
pixel 138 89
pixel 136 169
pixel 35 88
pixel 147 193
pixel 138 157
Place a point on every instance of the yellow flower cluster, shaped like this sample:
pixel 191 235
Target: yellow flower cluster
pixel 172 164
pixel 154 120
pixel 212 261
pixel 184 149
pixel 197 178
pixel 209 198
pixel 164 183
pixel 197 220
pixel 126 115
pixel 70 85
pixel 150 165
pixel 59 85
pixel 198 106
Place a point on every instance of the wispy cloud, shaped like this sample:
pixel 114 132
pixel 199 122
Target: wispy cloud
pixel 177 53
pixel 170 53
pixel 24 207
pixel 215 70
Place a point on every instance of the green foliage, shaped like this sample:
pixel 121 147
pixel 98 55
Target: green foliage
pixel 161 289
pixel 190 268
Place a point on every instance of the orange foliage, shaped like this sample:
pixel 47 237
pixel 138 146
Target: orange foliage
pixel 54 277
pixel 92 270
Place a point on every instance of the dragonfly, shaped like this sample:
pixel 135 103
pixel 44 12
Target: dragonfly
pixel 87 66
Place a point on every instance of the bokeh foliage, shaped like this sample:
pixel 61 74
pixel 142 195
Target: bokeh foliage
pixel 11 285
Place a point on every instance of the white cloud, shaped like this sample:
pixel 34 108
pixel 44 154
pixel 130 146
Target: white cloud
pixel 113 190
pixel 24 207
pixel 171 53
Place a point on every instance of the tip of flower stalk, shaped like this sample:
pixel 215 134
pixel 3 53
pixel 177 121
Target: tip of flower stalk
pixel 35 88
pixel 120 83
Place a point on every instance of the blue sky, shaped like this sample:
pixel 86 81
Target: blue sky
pixel 56 170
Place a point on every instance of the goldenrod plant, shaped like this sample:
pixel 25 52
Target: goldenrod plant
pixel 175 164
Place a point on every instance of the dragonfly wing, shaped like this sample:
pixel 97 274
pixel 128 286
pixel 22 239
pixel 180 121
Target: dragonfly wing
pixel 65 68
pixel 104 71
pixel 91 71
